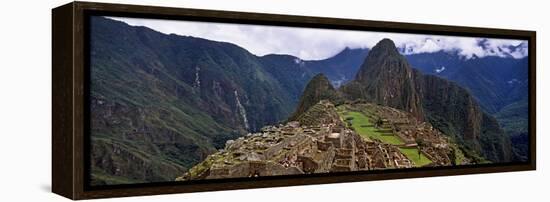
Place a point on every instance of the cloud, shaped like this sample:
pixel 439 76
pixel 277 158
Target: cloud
pixel 439 70
pixel 313 44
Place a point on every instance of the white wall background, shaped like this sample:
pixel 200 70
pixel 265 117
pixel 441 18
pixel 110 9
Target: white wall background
pixel 25 102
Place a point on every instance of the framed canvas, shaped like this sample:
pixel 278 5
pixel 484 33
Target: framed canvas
pixel 156 100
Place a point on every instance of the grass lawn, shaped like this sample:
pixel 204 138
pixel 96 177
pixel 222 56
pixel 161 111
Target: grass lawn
pixel 412 154
pixel 363 126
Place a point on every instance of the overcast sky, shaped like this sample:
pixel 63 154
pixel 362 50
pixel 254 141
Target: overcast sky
pixel 313 44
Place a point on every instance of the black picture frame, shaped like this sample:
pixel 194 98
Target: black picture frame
pixel 70 107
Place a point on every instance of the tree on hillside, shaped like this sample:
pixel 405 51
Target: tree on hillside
pixel 452 156
pixel 419 145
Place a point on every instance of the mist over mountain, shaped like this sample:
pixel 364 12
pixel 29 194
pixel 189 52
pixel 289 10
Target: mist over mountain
pixel 167 101
pixel 494 81
pixel 162 103
pixel 498 83
pixel 386 78
pixel 387 117
pixel 155 97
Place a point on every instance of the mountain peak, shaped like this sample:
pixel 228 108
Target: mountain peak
pixel 386 46
pixel 319 88
pixel 384 57
pixel 320 78
pixel 387 78
pixel 386 42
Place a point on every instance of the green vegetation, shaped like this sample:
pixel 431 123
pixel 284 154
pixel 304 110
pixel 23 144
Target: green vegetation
pixel 161 103
pixel 459 155
pixel 514 118
pixel 514 121
pixel 412 154
pixel 101 178
pixel 361 124
pixel 365 128
pixel 319 88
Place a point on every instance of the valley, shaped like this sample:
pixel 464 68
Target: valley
pixel 165 106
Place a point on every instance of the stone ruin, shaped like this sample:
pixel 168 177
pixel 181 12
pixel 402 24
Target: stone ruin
pixel 303 147
pixel 436 145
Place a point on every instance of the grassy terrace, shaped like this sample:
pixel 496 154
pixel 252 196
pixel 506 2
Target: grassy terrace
pixel 365 128
pixel 412 154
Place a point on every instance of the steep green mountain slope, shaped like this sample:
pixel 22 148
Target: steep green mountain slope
pixel 454 111
pixel 161 103
pixel 290 71
pixel 339 69
pixel 494 81
pixel 514 120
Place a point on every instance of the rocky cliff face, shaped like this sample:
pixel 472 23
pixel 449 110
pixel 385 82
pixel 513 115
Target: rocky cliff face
pixel 453 110
pixel 386 78
pixel 446 100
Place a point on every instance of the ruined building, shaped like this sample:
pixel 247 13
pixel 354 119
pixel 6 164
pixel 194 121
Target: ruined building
pixel 309 145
